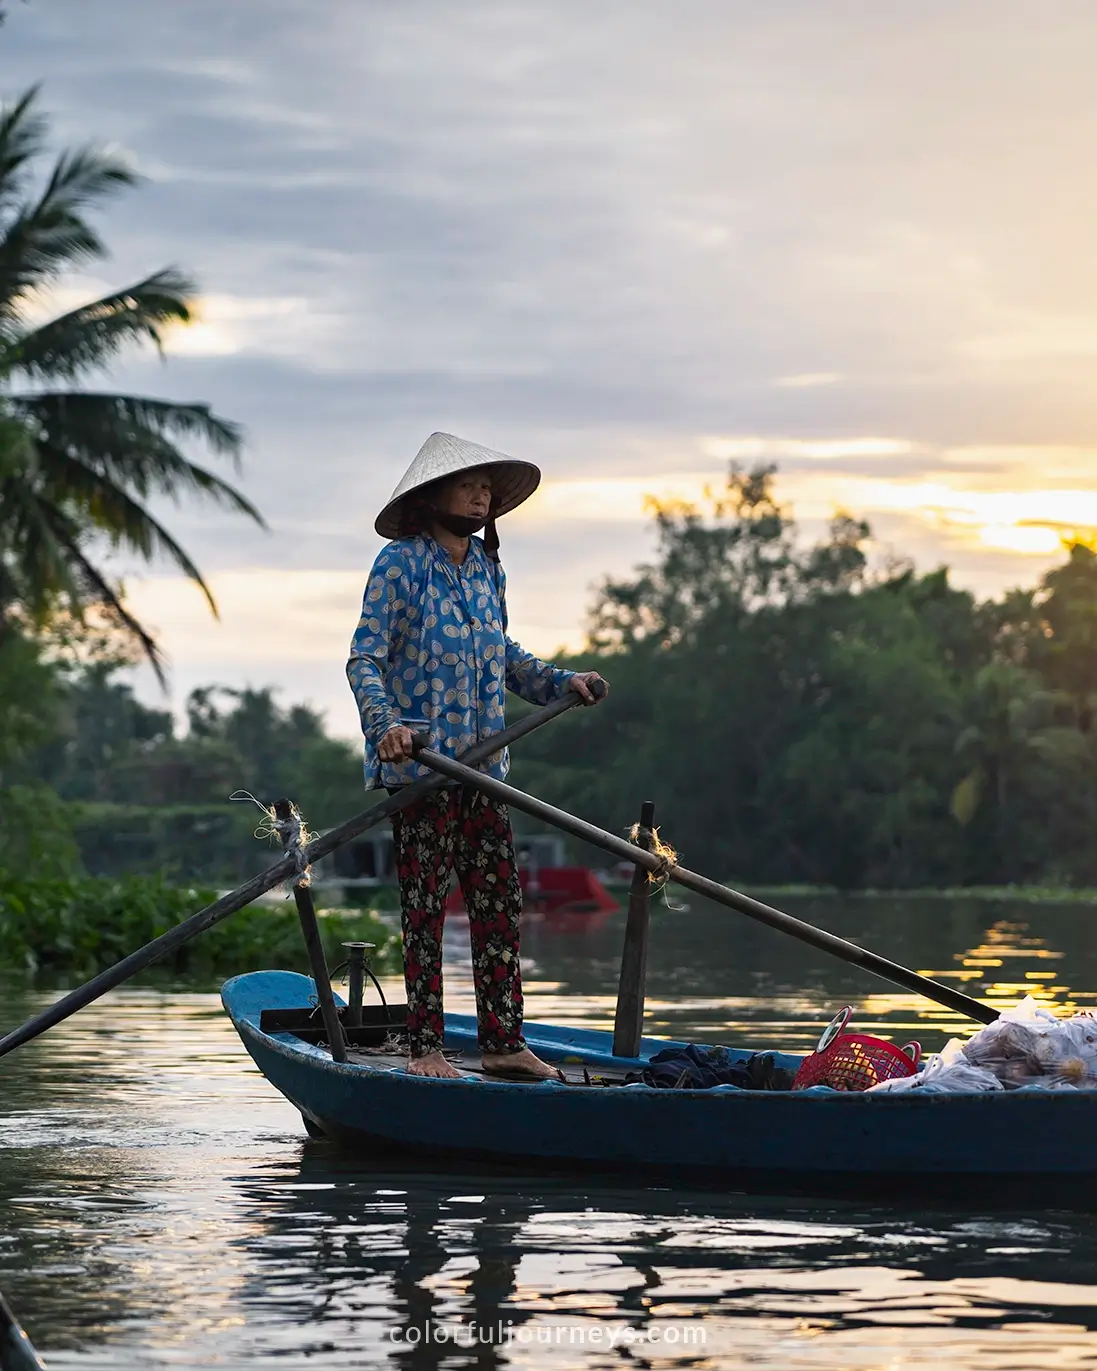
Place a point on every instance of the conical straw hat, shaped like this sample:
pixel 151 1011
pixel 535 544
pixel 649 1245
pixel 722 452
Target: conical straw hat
pixel 443 455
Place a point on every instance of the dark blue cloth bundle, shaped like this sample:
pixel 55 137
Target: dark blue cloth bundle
pixel 698 1068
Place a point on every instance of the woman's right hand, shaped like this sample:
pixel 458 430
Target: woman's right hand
pixel 395 745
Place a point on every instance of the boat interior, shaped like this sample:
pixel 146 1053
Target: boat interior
pixel 379 1040
pixel 376 1037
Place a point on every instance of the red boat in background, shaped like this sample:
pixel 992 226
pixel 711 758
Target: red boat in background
pixel 565 896
pixel 554 891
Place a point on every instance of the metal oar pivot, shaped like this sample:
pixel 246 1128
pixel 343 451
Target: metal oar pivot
pixel 713 890
pixel 274 875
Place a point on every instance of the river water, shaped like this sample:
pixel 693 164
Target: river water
pixel 160 1205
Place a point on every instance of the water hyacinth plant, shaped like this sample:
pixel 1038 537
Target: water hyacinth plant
pixel 70 928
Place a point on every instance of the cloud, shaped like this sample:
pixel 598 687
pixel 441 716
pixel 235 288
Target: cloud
pixel 853 240
pixel 1028 338
pixel 806 379
pixel 758 448
pixel 228 324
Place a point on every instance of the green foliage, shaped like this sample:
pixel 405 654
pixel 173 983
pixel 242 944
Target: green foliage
pixel 797 719
pixel 100 727
pixel 1065 652
pixel 77 468
pixel 30 702
pixel 276 752
pixel 966 796
pixel 36 831
pixel 148 801
pixel 210 844
pixel 77 927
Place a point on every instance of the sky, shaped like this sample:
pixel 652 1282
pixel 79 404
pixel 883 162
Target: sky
pixel 628 240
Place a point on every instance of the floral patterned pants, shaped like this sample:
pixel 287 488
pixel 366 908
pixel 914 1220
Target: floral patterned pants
pixel 460 828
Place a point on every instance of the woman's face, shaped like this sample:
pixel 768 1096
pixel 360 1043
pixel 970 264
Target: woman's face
pixel 467 493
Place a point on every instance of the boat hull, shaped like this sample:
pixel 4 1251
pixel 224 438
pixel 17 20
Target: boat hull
pixel 813 1140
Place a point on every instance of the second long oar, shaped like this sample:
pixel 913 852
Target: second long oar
pixel 713 890
pixel 251 890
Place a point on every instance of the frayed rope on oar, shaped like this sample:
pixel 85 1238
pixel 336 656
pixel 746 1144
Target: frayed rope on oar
pixel 291 832
pixel 668 858
pixel 667 855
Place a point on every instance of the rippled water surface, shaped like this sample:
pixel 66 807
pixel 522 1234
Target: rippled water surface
pixel 161 1206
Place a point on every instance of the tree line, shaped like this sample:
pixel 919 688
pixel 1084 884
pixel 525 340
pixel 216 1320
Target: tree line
pixel 800 718
pixel 796 716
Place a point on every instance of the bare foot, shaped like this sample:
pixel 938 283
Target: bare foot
pixel 522 1063
pixel 434 1065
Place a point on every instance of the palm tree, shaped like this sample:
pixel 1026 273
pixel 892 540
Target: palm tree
pixel 77 467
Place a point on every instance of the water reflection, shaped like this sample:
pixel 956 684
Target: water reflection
pixel 715 976
pixel 159 1205
pixel 528 1267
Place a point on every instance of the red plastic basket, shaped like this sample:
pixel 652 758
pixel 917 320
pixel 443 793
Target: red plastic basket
pixel 854 1061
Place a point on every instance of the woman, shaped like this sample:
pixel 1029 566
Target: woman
pixel 431 652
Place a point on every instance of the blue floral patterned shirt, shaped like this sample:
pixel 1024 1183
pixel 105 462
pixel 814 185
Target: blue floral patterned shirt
pixel 431 652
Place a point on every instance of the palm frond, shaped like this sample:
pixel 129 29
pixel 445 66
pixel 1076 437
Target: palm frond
pixel 44 561
pixel 126 522
pixel 107 598
pixel 966 796
pixel 22 137
pixel 37 568
pixel 83 175
pixel 90 336
pixel 77 467
pixel 170 419
pixel 129 440
pixel 100 414
pixel 47 235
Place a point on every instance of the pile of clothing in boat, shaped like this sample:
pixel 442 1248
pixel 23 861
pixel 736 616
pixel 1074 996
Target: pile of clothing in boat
pixel 1025 1048
pixel 697 1067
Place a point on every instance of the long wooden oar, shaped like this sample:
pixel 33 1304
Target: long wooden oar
pixel 228 904
pixel 16 1350
pixel 721 894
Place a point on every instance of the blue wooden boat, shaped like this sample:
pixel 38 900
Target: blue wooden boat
pixel 813 1140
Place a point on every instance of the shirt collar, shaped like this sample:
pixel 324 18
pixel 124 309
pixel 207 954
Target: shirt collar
pixel 472 556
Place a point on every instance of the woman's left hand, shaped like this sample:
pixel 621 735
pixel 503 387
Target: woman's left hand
pixel 581 683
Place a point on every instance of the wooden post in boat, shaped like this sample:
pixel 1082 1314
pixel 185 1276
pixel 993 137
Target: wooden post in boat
pixel 628 1026
pixel 310 928
pixel 306 911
